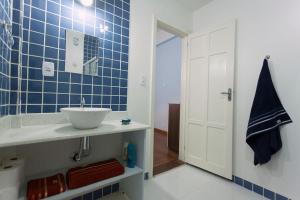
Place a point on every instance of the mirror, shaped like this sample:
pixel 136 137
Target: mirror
pixel 82 53
pixel 91 55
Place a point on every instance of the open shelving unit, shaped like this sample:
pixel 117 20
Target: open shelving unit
pixel 69 194
pixel 55 142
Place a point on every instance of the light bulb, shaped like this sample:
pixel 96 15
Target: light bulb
pixel 87 2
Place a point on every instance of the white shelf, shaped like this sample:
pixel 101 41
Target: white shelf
pixel 55 132
pixel 69 194
pixel 116 196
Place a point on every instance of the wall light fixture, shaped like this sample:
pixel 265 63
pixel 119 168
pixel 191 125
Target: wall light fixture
pixel 87 2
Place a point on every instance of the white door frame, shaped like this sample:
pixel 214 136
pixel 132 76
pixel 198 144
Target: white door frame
pixel 183 35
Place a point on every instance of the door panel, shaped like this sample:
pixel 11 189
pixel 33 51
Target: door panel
pixel 197 101
pixel 217 78
pixel 196 143
pixel 209 112
pixel 218 41
pixel 215 146
pixel 198 46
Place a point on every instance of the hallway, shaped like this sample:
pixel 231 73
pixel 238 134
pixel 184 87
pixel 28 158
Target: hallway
pixel 164 159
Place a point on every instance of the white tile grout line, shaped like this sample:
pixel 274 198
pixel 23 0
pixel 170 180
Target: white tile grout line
pixel 70 76
pixel 19 103
pixel 10 51
pixel 44 53
pixel 95 14
pixel 111 65
pixel 27 82
pixel 31 19
pixel 57 62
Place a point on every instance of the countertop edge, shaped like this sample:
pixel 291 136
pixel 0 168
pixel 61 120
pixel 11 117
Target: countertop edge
pixel 56 132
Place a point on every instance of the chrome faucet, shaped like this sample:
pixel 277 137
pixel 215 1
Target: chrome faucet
pixel 82 102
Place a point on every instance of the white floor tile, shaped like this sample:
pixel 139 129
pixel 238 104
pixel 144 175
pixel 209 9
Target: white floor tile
pixel 189 183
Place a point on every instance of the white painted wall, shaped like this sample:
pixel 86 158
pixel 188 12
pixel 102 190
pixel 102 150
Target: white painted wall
pixel 167 80
pixel 162 36
pixel 264 27
pixel 141 52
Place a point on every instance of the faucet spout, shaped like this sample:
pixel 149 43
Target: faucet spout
pixel 82 103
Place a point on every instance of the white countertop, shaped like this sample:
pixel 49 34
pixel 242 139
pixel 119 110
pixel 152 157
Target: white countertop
pixel 55 132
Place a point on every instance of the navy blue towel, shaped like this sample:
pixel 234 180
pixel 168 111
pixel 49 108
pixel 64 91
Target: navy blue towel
pixel 267 115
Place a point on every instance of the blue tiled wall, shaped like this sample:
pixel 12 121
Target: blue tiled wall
pixel 98 194
pixel 5 15
pixel 44 25
pixel 268 194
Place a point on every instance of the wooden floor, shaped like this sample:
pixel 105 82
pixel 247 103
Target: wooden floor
pixel 164 159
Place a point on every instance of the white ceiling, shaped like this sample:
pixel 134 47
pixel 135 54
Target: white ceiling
pixel 194 4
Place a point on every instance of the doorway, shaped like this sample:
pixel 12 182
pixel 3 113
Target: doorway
pixel 167 101
pixel 206 111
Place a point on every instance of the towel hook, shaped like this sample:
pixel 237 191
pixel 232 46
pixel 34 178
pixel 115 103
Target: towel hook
pixel 267 57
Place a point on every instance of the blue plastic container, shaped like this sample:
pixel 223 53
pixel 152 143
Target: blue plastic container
pixel 132 155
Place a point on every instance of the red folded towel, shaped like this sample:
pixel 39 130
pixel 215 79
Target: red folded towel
pixel 46 187
pixel 82 176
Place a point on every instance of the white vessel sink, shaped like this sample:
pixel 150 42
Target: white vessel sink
pixel 85 118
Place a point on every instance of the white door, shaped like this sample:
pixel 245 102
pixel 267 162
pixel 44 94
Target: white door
pixel 209 101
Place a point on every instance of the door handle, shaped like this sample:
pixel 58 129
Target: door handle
pixel 228 93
